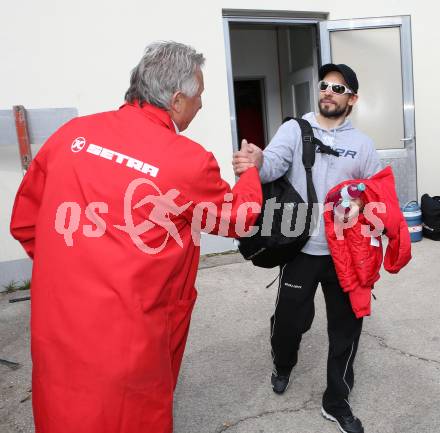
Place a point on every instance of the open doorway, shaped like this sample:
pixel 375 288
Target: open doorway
pixel 275 74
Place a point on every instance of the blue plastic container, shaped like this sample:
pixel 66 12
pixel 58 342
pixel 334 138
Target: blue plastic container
pixel 413 216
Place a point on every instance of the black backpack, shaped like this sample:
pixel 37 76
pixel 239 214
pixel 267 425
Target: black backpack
pixel 431 216
pixel 270 246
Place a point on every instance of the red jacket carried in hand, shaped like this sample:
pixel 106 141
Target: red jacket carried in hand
pixel 357 250
pixel 106 211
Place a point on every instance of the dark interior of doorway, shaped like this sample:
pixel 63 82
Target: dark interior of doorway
pixel 249 105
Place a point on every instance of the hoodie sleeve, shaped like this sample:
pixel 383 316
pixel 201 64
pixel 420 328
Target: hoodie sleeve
pixel 370 164
pixel 278 155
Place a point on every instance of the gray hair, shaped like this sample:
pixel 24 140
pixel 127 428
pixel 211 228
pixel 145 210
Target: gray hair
pixel 165 68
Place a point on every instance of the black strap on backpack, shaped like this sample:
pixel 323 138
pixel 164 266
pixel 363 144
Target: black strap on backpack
pixel 308 158
pixel 278 249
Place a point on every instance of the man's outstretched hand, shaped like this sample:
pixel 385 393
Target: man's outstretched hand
pixel 249 156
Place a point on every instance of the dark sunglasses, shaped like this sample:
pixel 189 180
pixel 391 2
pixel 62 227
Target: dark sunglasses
pixel 338 89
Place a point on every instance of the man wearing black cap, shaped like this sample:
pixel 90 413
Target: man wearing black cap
pixel 294 311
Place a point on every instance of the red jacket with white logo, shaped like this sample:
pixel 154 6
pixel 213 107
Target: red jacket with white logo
pixel 106 212
pixel 357 251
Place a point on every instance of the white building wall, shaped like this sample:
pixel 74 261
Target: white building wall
pixel 10 177
pixel 65 53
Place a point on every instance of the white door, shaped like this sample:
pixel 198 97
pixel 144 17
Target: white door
pixel 379 50
pixel 304 90
pixel 298 64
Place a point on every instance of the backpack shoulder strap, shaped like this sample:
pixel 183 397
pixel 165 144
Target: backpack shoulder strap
pixel 307 135
pixel 308 157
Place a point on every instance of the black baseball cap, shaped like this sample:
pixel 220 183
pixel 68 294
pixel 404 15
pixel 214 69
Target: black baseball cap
pixel 348 74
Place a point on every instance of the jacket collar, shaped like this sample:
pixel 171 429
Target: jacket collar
pixel 155 114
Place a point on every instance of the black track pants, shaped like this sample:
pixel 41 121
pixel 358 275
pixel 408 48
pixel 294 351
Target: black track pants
pixel 294 313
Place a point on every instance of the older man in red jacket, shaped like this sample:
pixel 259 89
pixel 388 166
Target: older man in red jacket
pixel 110 210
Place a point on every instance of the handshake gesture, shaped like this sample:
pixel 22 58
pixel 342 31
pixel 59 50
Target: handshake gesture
pixel 249 156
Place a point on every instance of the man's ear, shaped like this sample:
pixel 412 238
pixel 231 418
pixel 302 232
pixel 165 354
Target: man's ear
pixel 353 99
pixel 176 102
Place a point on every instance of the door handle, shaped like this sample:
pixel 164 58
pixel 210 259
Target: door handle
pixel 407 139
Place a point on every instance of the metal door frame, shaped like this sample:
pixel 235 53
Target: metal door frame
pixel 404 23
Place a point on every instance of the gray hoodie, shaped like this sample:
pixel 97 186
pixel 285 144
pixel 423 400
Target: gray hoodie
pixel 358 160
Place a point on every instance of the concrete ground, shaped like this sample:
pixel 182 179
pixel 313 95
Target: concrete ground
pixel 225 379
